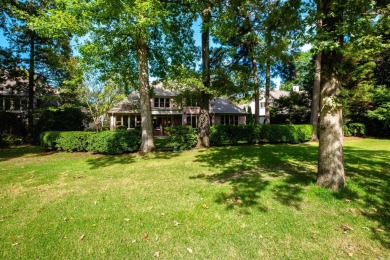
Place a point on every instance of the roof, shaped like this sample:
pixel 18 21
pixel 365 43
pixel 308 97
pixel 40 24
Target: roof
pixel 131 104
pixel 159 91
pixel 276 94
pixel 224 106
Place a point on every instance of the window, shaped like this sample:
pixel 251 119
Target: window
pixel 192 120
pixel 262 104
pixel 162 102
pixel 229 120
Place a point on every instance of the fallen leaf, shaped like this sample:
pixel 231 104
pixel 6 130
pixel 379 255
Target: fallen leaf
pixel 145 235
pixel 378 230
pixel 190 250
pixel 127 219
pixel 238 201
pixel 134 241
pixel 95 202
pixel 15 244
pixel 347 200
pixel 346 227
pixel 176 223
pixel 156 236
pixel 157 254
pixel 350 254
pixel 82 237
pixel 205 206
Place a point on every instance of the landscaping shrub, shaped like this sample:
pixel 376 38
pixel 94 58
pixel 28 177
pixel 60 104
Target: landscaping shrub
pixel 76 141
pixel 231 134
pixel 10 140
pixel 357 129
pixel 107 142
pixel 115 142
pixel 346 131
pixel 181 137
pixel 60 119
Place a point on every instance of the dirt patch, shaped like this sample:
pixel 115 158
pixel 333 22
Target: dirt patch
pixel 351 138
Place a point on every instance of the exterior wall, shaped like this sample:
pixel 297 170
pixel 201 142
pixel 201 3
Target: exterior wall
pixel 216 120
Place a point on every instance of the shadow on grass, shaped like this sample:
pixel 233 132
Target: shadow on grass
pixel 252 171
pixel 368 173
pixel 102 161
pixel 10 153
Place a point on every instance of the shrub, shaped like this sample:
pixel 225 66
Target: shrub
pixel 357 129
pixel 60 119
pixel 115 142
pixel 107 142
pixel 181 137
pixel 76 141
pixel 10 140
pixel 231 134
pixel 346 131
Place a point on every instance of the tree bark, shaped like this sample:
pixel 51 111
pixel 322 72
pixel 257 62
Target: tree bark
pixel 204 116
pixel 31 84
pixel 330 152
pixel 147 142
pixel 257 92
pixel 315 103
pixel 267 91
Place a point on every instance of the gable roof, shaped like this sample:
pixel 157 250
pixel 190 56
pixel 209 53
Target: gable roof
pixel 224 106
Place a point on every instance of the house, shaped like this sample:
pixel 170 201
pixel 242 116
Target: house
pixel 168 110
pixel 14 100
pixel 274 95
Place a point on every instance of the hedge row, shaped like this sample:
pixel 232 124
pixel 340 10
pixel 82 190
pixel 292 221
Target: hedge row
pixel 230 134
pixel 107 142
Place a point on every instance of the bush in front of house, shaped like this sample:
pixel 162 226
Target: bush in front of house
pixel 231 134
pixel 115 142
pixel 354 129
pixel 107 142
pixel 10 140
pixel 181 137
pixel 357 129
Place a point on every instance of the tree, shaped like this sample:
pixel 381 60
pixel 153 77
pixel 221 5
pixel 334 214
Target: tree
pixel 348 43
pixel 43 57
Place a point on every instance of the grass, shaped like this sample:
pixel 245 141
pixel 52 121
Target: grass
pixel 240 202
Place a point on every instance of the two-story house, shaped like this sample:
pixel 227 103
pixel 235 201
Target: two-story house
pixel 168 111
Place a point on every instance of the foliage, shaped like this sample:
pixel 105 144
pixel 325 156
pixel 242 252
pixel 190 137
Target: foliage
pixel 181 137
pixel 230 134
pixel 10 140
pixel 106 142
pixel 60 119
pixel 292 109
pixel 115 142
pixel 354 129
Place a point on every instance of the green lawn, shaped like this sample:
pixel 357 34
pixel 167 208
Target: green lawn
pixel 247 202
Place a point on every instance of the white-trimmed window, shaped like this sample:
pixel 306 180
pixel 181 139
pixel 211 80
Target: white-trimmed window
pixel 192 120
pixel 162 102
pixel 229 120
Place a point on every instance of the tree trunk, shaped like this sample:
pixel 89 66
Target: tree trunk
pixel 31 90
pixel 204 116
pixel 315 103
pixel 267 91
pixel 147 142
pixel 330 152
pixel 257 92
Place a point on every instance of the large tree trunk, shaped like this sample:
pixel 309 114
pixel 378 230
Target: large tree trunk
pixel 147 143
pixel 330 153
pixel 315 103
pixel 257 92
pixel 31 90
pixel 267 91
pixel 204 116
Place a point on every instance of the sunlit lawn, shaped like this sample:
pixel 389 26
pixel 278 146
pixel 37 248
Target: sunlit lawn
pixel 247 202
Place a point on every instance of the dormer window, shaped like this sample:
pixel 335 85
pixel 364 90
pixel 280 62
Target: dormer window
pixel 162 102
